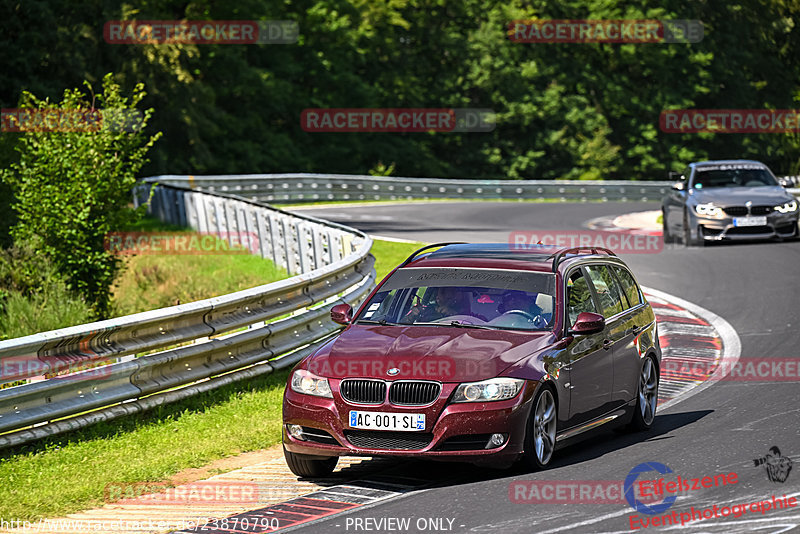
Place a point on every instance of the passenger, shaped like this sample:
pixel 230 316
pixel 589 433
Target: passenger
pixel 518 300
pixel 521 301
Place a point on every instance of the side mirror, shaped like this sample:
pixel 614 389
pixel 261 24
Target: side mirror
pixel 679 186
pixel 342 314
pixel 588 323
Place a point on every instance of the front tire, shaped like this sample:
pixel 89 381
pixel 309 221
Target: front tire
pixel 309 466
pixel 644 413
pixel 668 238
pixel 540 436
pixel 687 235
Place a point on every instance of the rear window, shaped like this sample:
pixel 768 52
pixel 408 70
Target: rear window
pixel 607 288
pixel 629 286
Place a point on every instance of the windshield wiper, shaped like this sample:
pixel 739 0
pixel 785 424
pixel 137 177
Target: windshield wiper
pixel 459 324
pixel 382 322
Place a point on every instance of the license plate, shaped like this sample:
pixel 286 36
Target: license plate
pixel 410 422
pixel 750 221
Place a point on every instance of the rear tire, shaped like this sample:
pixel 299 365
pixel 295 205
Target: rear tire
pixel 540 434
pixel 644 413
pixel 309 466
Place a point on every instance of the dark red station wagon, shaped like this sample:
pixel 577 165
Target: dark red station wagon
pixel 483 353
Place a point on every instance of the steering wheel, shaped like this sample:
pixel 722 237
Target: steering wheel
pixel 537 320
pixel 525 314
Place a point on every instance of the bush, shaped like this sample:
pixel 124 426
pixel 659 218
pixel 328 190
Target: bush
pixel 33 297
pixel 73 187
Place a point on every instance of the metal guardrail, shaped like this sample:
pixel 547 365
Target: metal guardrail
pixel 297 188
pixel 301 187
pixel 331 264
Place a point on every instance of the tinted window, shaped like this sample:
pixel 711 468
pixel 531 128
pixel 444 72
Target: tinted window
pixel 607 289
pixel 499 299
pixel 708 177
pixel 579 297
pixel 629 286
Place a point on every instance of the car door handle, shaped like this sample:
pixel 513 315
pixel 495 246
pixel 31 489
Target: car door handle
pixel 607 343
pixel 633 330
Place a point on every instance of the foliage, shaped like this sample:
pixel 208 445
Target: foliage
pixel 73 187
pixel 575 111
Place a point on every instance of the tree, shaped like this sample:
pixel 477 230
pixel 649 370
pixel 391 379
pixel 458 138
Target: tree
pixel 73 186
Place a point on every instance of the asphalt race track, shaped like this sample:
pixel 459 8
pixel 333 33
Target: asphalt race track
pixel 721 429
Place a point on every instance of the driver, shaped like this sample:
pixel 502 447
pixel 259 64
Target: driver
pixel 446 302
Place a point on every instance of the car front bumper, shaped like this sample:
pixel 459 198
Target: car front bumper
pixel 782 225
pixel 453 432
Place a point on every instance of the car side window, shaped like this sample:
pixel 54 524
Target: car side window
pixel 579 297
pixel 629 286
pixel 607 288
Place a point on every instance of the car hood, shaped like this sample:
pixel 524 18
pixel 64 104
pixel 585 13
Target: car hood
pixel 447 354
pixel 737 196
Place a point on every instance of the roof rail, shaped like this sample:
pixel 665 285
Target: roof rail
pixel 426 247
pixel 559 256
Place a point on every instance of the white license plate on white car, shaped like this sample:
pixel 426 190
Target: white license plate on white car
pixel 410 422
pixel 750 221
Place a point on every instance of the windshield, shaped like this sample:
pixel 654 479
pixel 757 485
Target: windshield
pixel 479 298
pixel 706 178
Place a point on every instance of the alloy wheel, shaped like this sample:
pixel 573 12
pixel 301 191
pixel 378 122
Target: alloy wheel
pixel 544 427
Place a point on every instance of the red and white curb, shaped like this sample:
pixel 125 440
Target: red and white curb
pixel 691 337
pixel 629 223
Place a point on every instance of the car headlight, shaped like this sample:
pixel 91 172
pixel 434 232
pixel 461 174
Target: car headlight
pixel 310 384
pixel 787 208
pixel 708 210
pixel 494 389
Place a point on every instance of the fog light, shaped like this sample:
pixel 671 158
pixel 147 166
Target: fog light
pixel 296 431
pixel 496 440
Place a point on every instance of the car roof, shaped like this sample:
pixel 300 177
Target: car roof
pixel 726 162
pixel 503 256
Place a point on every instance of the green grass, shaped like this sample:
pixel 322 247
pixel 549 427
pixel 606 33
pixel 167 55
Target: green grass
pixel 146 282
pixel 149 282
pixel 68 473
pixel 51 308
pixel 389 254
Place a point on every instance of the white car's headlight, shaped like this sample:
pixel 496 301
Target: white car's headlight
pixel 708 210
pixel 310 384
pixel 494 389
pixel 787 208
